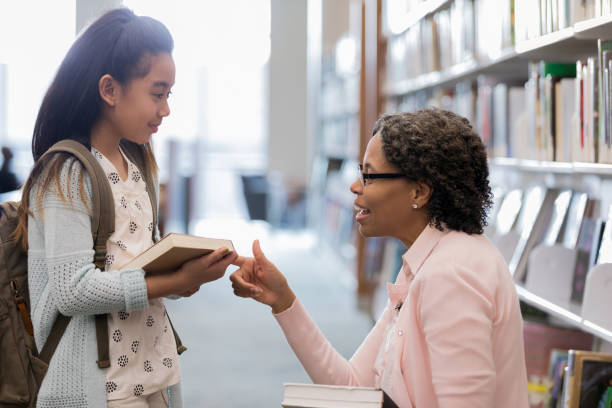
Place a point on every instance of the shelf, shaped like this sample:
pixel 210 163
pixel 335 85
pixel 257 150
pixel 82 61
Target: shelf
pixel 569 313
pixel 567 45
pixel 421 11
pixel 536 166
pixel 594 28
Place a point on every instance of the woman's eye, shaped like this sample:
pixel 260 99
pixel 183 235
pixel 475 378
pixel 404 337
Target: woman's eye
pixel 159 95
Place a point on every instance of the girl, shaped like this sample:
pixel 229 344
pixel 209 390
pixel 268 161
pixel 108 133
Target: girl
pixel 112 86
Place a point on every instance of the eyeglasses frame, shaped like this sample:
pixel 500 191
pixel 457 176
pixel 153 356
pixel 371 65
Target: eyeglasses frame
pixel 373 176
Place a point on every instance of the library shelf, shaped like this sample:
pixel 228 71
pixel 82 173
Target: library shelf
pixel 569 313
pixel 421 11
pixel 566 45
pixel 594 28
pixel 603 170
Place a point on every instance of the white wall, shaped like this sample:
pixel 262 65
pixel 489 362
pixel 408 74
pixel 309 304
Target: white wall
pixel 88 10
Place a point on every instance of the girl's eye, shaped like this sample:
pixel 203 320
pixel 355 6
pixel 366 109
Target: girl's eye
pixel 159 95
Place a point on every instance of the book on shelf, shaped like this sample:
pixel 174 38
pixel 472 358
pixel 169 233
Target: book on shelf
pixel 545 345
pixel 561 205
pixel 509 207
pixel 605 247
pixel 589 374
pixel 174 250
pixel 533 219
pixel 587 246
pixel 557 378
pixel 501 140
pixel 575 216
pixel 604 57
pixel 565 118
pixel 299 395
pixel 505 236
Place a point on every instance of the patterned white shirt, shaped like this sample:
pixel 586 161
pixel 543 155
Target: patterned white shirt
pixel 142 347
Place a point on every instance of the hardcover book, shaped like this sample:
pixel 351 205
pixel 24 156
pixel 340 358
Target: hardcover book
pixel 334 396
pixel 558 217
pixel 589 375
pixel 174 250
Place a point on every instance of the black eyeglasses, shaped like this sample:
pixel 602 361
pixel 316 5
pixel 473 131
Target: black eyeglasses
pixel 370 176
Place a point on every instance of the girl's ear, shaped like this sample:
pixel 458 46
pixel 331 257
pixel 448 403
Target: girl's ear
pixel 109 89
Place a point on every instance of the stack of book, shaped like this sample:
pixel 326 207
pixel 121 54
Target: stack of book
pixel 334 396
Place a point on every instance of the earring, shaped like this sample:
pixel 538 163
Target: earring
pixel 415 206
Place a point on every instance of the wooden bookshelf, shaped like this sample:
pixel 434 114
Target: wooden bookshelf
pixel 568 44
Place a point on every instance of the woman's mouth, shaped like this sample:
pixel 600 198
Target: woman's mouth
pixel 361 213
pixel 153 128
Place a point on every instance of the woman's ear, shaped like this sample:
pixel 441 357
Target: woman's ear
pixel 109 89
pixel 422 193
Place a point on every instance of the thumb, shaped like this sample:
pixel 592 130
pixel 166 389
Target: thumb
pixel 259 255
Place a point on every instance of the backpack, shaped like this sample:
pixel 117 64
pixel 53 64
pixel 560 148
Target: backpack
pixel 22 368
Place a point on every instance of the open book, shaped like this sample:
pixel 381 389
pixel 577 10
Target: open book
pixel 334 396
pixel 174 250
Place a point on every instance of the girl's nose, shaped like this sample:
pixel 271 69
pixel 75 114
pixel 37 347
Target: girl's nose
pixel 165 110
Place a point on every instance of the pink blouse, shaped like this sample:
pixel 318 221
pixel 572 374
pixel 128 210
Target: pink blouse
pixel 450 336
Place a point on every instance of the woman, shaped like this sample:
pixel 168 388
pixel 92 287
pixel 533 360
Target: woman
pixel 451 334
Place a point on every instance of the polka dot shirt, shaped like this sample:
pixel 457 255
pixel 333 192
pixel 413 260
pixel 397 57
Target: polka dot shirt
pixel 141 345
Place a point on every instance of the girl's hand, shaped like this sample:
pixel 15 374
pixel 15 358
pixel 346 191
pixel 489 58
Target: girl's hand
pixel 204 269
pixel 259 279
pixel 189 293
pixel 187 280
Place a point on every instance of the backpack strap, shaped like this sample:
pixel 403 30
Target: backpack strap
pixel 179 344
pixel 102 227
pixel 103 216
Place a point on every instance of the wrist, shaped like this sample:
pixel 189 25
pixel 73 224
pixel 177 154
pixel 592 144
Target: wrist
pixel 284 302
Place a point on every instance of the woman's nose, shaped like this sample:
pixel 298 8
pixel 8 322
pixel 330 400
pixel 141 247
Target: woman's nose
pixel 356 187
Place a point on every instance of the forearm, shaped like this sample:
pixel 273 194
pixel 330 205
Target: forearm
pixel 162 285
pixel 321 361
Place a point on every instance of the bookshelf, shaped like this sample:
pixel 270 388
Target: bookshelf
pixel 568 44
pixel 522 38
pixel 506 65
pixel 337 151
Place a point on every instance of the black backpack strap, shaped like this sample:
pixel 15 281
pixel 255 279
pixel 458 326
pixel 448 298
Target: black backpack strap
pixel 102 227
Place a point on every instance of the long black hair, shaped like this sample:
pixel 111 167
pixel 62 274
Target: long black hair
pixel 120 44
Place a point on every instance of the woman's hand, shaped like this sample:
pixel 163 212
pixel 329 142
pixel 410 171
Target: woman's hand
pixel 261 280
pixel 187 280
